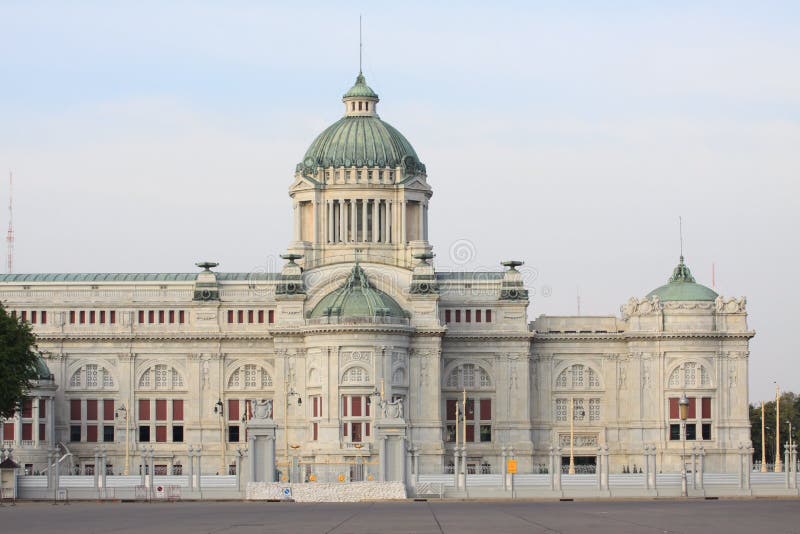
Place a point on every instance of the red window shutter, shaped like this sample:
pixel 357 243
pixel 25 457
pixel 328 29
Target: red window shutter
pixel 33 317
pixel 674 413
pixel 161 434
pixel 447 316
pixel 75 409
pixel 366 429
pixel 230 316
pixel 108 409
pixel 91 317
pixel 27 408
pixel 692 408
pixel 91 433
pixel 458 316
pixel 451 409
pixel 470 409
pixel 112 317
pixel 91 409
pixel 344 406
pixel 260 316
pixel 344 428
pixel 42 432
pixel 249 316
pixel 271 317
pixel 486 409
pixel 314 410
pixel 42 408
pixel 161 409
pixel 233 409
pixel 144 409
pixel 82 317
pixel 355 432
pixel 44 316
pixel 181 318
pixel 151 316
pixel 172 317
pixel 315 427
pixel 177 409
pixel 470 433
pixel 27 432
pixel 468 316
pixel 102 317
pixel 356 405
pixel 488 316
pixel 72 317
pixel 24 315
pixel 477 316
pixel 8 432
pixel 240 317
pixel 706 408
pixel 141 316
pixel 160 316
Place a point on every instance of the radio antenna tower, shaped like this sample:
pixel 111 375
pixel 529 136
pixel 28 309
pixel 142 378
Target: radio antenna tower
pixel 10 234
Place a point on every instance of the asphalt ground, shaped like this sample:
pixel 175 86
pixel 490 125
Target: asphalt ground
pixel 597 517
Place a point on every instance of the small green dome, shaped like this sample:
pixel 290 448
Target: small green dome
pixel 681 286
pixel 357 298
pixel 42 371
pixel 360 89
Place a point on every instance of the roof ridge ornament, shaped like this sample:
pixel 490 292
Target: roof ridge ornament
pixel 681 273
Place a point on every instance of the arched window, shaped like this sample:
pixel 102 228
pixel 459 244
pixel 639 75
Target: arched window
pixel 355 375
pixel 250 376
pixel 689 375
pixel 161 377
pixel 92 376
pixel 468 376
pixel 578 376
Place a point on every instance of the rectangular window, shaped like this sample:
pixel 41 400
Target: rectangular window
pixel 42 408
pixel 82 317
pixel 450 433
pixel 240 316
pixel 706 431
pixel 356 405
pixel 72 317
pixel 108 434
pixel 91 409
pixel 471 433
pixel 451 409
pixel 674 412
pixel 144 434
pixel 112 317
pixel 230 316
pixel 75 432
pixel 75 409
pixel 315 431
pixel 44 316
pixel 161 410
pixel 27 408
pixel 233 433
pixel 172 317
pixel 458 316
pixel 692 408
pixel 447 317
pixel 33 317
pixel 141 316
pixel 366 429
pixel 233 410
pixel 486 409
pixel 260 316
pixel 691 432
pixel 91 433
pixel 177 409
pixel 344 428
pixel 468 316
pixel 161 434
pixel 27 432
pixel 271 316
pixel 144 409
pixel 355 436
pixel 181 317
pixel 160 316
pixel 470 409
pixel 486 433
pixel 317 409
pixel 102 317
pixel 177 433
pixel 706 408
pixel 151 316
pixel 477 316
pixel 108 409
pixel 42 432
pixel 488 316
pixel 674 432
pixel 344 406
pixel 24 315
pixel 249 316
pixel 91 317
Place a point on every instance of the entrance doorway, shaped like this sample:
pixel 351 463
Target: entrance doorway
pixel 584 465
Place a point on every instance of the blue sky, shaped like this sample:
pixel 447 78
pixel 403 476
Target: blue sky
pixel 146 136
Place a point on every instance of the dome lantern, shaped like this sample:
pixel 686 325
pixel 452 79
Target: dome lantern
pixel 682 287
pixel 360 100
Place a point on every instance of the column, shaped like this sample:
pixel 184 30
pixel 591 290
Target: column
pixel 296 208
pixel 35 429
pixel 421 220
pixel 329 229
pixel 385 232
pixel 364 220
pixel 403 225
pixel 50 428
pixel 389 223
pixel 353 221
pixel 374 221
pixel 604 457
pixel 317 223
pixel 382 459
pixel 425 221
pixel 18 430
pixel 252 455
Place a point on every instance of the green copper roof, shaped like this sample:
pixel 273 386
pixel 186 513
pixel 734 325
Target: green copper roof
pixel 682 286
pixel 127 277
pixel 360 89
pixel 42 371
pixel 357 298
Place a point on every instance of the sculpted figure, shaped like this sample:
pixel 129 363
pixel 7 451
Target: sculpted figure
pixel 262 408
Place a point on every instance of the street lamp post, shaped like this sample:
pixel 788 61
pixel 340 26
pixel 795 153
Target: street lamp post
pixel 763 441
pixel 683 404
pixel 778 467
pixel 122 413
pixel 220 411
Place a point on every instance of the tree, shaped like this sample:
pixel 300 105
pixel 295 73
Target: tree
pixel 18 361
pixel 790 411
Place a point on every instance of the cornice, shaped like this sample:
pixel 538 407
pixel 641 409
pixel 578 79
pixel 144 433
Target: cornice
pixel 641 336
pixel 127 336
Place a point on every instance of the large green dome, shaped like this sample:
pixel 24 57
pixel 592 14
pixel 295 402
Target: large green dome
pixel 682 286
pixel 355 299
pixel 361 138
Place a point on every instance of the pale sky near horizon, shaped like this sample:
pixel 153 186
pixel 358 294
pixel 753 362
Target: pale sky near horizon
pixel 145 137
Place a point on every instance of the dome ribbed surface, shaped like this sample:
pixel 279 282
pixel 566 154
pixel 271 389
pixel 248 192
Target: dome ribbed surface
pixel 357 298
pixel 682 286
pixel 359 141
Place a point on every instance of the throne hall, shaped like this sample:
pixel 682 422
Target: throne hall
pixel 359 315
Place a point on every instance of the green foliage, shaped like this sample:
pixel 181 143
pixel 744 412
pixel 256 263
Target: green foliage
pixel 790 411
pixel 17 361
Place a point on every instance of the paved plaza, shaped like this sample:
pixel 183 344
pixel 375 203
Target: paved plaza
pixel 694 516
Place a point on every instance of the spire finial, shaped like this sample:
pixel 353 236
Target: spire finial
pixel 680 232
pixel 360 44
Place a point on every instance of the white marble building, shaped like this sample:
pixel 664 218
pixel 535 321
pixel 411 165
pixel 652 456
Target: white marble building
pixel 359 307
